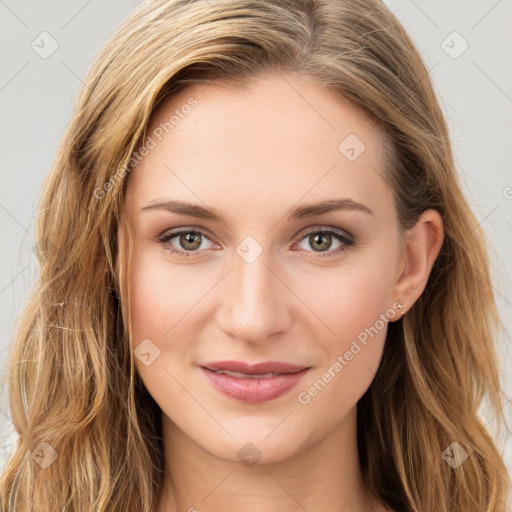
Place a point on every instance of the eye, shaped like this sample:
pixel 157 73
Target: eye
pixel 188 241
pixel 322 239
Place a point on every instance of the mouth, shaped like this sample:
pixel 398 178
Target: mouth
pixel 253 383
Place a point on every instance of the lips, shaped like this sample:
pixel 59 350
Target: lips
pixel 253 369
pixel 253 383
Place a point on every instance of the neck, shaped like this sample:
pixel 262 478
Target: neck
pixel 325 476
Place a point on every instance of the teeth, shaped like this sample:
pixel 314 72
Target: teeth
pixel 243 375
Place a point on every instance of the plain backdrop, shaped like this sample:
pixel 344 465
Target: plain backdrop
pixel 466 45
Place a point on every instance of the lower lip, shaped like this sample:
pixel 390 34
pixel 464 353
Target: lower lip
pixel 256 390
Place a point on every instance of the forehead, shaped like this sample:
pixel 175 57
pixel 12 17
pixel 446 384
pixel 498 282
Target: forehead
pixel 281 138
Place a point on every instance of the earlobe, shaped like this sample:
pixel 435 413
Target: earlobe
pixel 421 248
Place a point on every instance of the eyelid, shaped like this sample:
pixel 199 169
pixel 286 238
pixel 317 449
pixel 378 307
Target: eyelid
pixel 172 232
pixel 324 229
pixel 301 234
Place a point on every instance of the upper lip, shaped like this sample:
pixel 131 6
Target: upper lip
pixel 254 369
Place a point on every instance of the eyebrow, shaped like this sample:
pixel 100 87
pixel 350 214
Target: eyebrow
pixel 300 212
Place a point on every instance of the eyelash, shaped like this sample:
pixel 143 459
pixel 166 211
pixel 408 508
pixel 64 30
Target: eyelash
pixel 346 239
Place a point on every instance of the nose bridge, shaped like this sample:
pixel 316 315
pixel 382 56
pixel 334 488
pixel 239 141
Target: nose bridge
pixel 255 304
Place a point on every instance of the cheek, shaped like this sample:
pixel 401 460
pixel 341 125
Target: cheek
pixel 352 302
pixel 151 302
pixel 163 302
pixel 349 298
pixel 159 297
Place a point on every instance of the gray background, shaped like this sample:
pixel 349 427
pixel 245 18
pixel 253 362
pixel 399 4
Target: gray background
pixel 36 94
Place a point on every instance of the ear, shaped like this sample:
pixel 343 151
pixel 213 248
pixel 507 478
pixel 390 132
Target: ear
pixel 421 248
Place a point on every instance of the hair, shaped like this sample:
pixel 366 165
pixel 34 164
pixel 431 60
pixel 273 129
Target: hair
pixel 72 380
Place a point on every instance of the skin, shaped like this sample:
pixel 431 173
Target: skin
pixel 253 155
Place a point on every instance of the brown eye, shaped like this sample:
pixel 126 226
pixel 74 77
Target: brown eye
pixel 184 242
pixel 190 241
pixel 320 241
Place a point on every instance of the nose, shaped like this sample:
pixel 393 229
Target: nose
pixel 256 302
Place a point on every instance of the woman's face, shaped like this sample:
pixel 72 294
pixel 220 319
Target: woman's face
pixel 225 210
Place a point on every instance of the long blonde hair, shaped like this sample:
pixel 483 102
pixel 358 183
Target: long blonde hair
pixel 76 400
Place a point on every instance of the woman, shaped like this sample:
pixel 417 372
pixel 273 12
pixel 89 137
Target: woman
pixel 261 285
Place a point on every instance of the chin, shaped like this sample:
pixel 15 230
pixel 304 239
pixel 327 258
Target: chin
pixel 255 446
